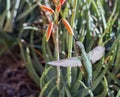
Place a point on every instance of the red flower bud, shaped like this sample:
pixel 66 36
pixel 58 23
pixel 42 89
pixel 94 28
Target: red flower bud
pixel 45 8
pixel 58 7
pixel 68 27
pixel 49 30
pixel 62 2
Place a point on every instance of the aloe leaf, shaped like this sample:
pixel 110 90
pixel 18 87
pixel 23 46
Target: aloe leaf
pixel 67 92
pixel 49 52
pixel 45 51
pixel 8 25
pixel 30 67
pixel 95 8
pixel 51 91
pixel 98 80
pixel 112 76
pixel 117 60
pixel 42 83
pixel 62 92
pixel 102 13
pixel 110 23
pixel 105 88
pixel 89 91
pixel 77 84
pixel 45 87
pixel 44 48
pixel 97 70
pixel 2 19
pixel 118 94
pixel 113 45
pixel 38 66
pixel 30 28
pixel 75 72
pixel 26 12
pixel 29 64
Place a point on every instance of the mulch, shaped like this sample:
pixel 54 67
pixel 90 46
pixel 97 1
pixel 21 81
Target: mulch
pixel 14 80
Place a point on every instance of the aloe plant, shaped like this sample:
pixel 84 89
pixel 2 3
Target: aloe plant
pixel 93 22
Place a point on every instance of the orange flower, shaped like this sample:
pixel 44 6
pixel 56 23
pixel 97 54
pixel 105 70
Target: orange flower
pixel 58 7
pixel 68 27
pixel 54 1
pixel 49 30
pixel 45 8
pixel 62 2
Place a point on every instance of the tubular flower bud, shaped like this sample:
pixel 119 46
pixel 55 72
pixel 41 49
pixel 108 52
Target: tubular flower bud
pixel 68 27
pixel 54 1
pixel 58 7
pixel 45 8
pixel 49 30
pixel 62 2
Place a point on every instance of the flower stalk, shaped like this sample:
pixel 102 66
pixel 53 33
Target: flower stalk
pixel 57 56
pixel 58 4
pixel 70 42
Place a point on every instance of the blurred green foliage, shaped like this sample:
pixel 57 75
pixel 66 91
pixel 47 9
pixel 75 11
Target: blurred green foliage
pixel 97 22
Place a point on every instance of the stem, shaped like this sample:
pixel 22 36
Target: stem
pixel 57 49
pixel 70 42
pixel 8 9
pixel 57 57
pixel 69 55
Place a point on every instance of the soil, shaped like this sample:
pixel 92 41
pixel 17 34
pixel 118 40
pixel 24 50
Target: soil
pixel 14 80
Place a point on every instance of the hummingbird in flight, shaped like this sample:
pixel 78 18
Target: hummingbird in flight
pixel 86 60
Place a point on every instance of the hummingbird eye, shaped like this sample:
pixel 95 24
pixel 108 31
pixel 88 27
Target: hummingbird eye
pixel 77 46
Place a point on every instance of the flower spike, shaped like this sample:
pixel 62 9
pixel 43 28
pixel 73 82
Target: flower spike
pixel 45 8
pixel 62 2
pixel 49 30
pixel 68 27
pixel 58 7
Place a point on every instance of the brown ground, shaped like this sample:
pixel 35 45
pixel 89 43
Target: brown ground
pixel 14 80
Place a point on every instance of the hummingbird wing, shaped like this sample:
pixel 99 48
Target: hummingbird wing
pixel 94 55
pixel 68 62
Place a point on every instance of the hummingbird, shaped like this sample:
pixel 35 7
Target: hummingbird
pixel 86 60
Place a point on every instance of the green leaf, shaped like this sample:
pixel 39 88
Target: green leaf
pixel 45 87
pixel 30 67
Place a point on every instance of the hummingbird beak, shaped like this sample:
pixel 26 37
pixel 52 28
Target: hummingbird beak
pixel 75 38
